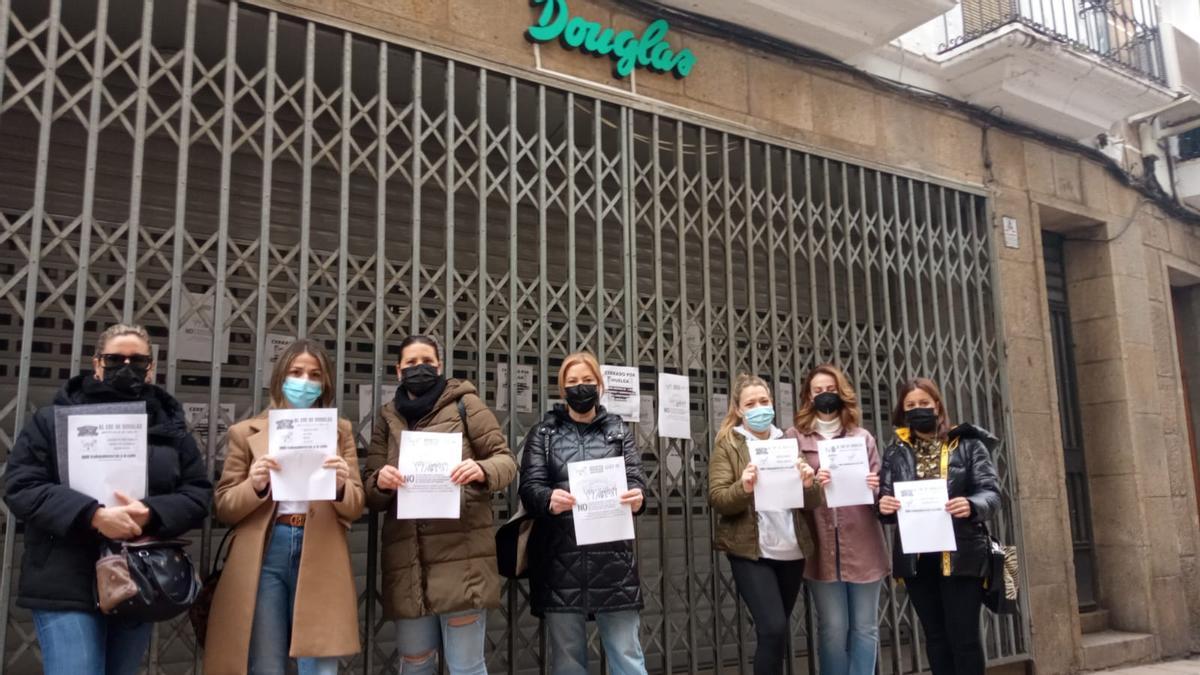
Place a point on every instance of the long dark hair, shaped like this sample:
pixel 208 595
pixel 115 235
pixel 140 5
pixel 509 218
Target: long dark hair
pixel 929 387
pixel 419 340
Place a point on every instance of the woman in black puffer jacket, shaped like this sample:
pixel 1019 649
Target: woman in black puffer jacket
pixel 65 528
pixel 571 584
pixel 947 588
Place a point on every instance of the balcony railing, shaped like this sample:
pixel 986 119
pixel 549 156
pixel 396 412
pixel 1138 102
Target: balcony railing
pixel 1124 33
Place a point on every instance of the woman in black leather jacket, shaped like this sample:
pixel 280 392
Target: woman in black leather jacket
pixel 947 588
pixel 569 583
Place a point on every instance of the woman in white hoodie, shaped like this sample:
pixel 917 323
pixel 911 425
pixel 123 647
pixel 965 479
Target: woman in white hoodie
pixel 766 549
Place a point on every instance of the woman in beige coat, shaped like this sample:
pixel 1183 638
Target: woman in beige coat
pixel 439 576
pixel 287 589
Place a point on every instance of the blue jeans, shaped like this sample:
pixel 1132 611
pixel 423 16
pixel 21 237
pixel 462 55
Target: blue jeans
pixel 847 626
pixel 462 634
pixel 272 631
pixel 618 635
pixel 90 642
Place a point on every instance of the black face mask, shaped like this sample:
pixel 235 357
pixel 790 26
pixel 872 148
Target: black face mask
pixel 582 397
pixel 922 420
pixel 827 403
pixel 420 378
pixel 127 379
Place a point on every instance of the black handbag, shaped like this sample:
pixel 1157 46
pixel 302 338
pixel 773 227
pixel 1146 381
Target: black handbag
pixel 146 580
pixel 512 545
pixel 1000 587
pixel 202 607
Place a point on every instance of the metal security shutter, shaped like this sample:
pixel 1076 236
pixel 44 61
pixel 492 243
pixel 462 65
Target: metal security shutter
pixel 322 183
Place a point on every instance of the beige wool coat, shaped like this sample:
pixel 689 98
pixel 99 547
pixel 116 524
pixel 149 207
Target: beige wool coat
pixel 325 619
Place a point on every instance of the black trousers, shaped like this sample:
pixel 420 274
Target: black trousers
pixel 948 608
pixel 770 589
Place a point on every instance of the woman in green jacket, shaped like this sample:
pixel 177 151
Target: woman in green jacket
pixel 766 549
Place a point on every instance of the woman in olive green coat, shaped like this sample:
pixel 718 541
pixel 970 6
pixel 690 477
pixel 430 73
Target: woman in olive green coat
pixel 766 549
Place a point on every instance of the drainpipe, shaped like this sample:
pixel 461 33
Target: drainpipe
pixel 1171 170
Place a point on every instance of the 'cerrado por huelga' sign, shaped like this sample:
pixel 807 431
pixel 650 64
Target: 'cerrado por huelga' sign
pixel 627 49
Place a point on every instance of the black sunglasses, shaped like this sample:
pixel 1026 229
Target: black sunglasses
pixel 119 360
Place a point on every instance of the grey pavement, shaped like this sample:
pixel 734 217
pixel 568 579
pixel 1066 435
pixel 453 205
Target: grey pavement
pixel 1167 668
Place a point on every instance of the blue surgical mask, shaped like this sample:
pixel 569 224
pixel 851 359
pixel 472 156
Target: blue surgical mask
pixel 759 419
pixel 301 393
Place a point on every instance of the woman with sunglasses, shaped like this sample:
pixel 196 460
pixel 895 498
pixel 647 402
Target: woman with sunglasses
pixel 287 590
pixel 64 528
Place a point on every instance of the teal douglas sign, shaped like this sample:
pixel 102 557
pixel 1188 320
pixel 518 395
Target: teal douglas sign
pixel 629 51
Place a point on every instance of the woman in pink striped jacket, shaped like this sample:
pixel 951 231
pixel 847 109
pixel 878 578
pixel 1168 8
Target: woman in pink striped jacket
pixel 851 562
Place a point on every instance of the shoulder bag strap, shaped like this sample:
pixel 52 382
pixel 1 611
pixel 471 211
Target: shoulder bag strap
pixel 462 414
pixel 945 469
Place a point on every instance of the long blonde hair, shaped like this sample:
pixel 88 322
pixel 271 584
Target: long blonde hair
pixel 734 416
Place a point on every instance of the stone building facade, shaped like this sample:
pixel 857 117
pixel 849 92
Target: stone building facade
pixel 1133 279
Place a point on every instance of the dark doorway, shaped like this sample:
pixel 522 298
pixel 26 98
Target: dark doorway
pixel 1078 499
pixel 1185 302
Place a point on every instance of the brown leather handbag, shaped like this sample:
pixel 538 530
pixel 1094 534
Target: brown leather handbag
pixel 114 583
pixel 146 579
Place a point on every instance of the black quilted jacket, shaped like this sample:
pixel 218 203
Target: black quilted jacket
pixel 564 577
pixel 972 474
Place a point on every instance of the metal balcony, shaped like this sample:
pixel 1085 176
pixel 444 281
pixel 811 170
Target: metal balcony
pixel 1123 33
pixel 1077 68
